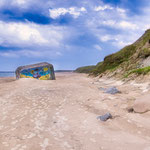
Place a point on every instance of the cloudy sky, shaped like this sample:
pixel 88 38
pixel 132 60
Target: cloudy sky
pixel 68 33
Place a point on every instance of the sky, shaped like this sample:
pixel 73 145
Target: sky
pixel 68 33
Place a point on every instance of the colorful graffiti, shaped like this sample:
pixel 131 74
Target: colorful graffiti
pixel 41 73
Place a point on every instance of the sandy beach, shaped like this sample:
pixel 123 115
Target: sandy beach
pixel 62 114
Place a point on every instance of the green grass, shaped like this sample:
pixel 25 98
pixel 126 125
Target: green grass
pixel 85 69
pixel 146 37
pixel 111 62
pixel 139 71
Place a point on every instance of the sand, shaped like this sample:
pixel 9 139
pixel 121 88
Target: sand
pixel 62 114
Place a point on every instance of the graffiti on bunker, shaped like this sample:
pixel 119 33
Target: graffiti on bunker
pixel 41 73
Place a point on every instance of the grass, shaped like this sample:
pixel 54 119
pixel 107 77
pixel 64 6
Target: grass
pixel 85 69
pixel 139 71
pixel 146 37
pixel 111 62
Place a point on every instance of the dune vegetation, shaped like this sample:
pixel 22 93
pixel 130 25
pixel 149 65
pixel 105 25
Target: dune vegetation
pixel 128 60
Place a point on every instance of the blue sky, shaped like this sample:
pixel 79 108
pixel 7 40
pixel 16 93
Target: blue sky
pixel 68 33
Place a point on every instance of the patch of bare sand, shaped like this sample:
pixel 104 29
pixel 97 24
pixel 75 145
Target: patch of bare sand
pixel 61 115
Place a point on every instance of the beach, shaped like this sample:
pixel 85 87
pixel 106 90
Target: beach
pixel 62 114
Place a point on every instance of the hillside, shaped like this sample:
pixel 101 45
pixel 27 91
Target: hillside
pixel 85 69
pixel 134 58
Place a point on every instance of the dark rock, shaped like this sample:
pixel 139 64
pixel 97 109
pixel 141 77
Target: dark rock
pixel 105 117
pixel 130 110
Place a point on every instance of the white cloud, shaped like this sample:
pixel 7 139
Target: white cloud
pixel 74 11
pixel 102 8
pixel 127 25
pixel 19 2
pixel 97 47
pixel 109 22
pixel 2 2
pixel 116 27
pixel 30 34
pixel 124 39
pixel 33 40
pixel 105 38
pixel 120 24
pixel 9 54
pixel 20 33
pixel 31 53
pixel 25 4
pixel 120 44
pixel 121 10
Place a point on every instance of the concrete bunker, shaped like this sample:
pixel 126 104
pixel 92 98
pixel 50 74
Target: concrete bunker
pixel 41 71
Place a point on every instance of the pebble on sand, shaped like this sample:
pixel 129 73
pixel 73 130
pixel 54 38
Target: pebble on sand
pixel 105 117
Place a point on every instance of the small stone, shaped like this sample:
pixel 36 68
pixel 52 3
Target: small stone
pixel 130 110
pixel 105 117
pixel 112 90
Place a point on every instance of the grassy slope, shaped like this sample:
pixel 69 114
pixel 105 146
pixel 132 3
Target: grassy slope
pixel 86 69
pixel 112 61
pixel 127 58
